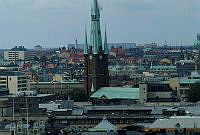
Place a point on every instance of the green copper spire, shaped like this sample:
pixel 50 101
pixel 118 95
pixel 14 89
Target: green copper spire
pixel 86 43
pixel 95 37
pixel 105 47
pixel 95 9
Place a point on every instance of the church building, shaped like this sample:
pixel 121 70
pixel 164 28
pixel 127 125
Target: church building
pixel 96 73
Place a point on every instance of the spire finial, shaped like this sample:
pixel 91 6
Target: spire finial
pixel 106 48
pixel 92 88
pixel 86 43
pixel 95 9
pixel 95 37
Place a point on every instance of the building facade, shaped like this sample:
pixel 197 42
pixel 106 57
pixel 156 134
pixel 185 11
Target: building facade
pixel 14 81
pixel 19 54
pixel 55 87
pixel 96 55
pixel 156 92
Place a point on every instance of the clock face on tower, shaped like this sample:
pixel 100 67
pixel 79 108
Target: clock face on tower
pixel 90 57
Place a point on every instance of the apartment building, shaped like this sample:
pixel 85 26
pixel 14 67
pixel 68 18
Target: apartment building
pixel 61 87
pixel 15 81
pixel 19 54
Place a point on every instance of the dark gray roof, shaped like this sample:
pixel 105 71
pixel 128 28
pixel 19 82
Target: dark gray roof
pixel 77 112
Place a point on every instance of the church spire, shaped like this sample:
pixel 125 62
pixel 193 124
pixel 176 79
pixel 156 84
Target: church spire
pixel 86 43
pixel 106 48
pixel 95 9
pixel 95 37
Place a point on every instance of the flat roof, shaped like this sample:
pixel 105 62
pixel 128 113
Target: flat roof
pixel 38 95
pixel 183 121
pixel 65 82
pixel 187 80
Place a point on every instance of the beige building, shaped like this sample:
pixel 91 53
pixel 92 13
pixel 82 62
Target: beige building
pixel 15 81
pixel 14 55
pixel 19 53
pixel 155 92
pixel 9 67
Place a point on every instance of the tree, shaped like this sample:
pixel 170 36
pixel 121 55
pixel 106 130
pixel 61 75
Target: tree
pixel 78 95
pixel 194 93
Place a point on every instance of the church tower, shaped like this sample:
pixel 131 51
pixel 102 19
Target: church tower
pixel 96 55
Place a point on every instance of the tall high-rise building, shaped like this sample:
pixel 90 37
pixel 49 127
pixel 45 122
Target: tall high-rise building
pixel 96 55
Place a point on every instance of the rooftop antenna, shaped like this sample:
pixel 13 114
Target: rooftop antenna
pixel 67 48
pixel 76 43
pixel 151 65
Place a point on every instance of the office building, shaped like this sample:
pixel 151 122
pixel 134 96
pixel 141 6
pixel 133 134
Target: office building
pixel 15 81
pixel 19 54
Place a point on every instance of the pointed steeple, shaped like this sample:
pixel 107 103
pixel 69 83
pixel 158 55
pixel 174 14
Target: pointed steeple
pixel 95 9
pixel 95 37
pixel 92 88
pixel 86 43
pixel 105 47
pixel 165 43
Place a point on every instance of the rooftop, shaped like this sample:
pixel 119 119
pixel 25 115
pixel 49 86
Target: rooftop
pixel 19 48
pixel 117 93
pixel 38 95
pixel 105 124
pixel 188 81
pixel 183 121
pixel 56 82
pixel 11 73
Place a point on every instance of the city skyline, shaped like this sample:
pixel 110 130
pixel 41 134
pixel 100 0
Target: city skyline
pixel 58 23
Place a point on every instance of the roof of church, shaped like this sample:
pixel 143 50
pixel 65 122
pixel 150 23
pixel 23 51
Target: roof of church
pixel 117 93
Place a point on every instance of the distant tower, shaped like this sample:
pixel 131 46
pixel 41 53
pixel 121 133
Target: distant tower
pixel 96 55
pixel 165 43
pixel 198 37
pixel 76 43
pixel 197 42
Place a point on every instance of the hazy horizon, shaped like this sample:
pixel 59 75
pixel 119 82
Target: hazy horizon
pixel 54 23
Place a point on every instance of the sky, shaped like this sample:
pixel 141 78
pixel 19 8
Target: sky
pixel 54 23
